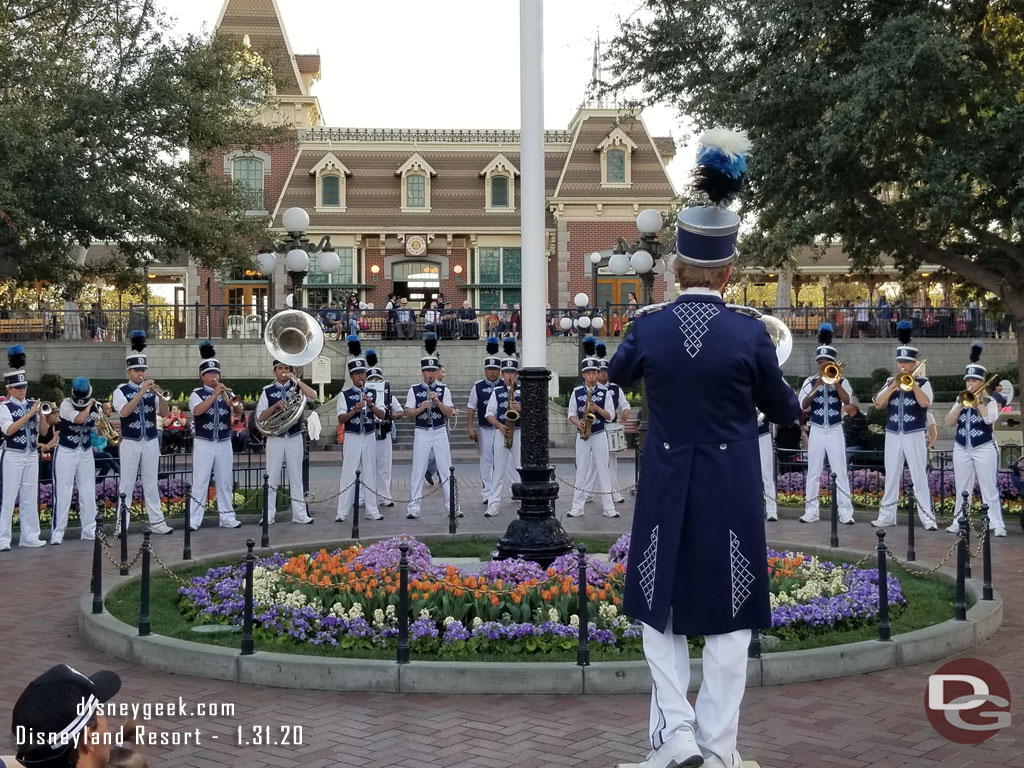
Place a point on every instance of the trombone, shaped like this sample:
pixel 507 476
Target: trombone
pixel 969 399
pixel 832 373
pixel 906 380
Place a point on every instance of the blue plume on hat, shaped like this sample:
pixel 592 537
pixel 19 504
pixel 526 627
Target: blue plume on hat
pixel 721 164
pixel 206 350
pixel 16 356
pixel 589 346
pixel 80 384
pixel 355 347
pixel 138 340
pixel 492 345
pixel 371 358
pixel 976 348
pixel 903 328
pixel 509 345
pixel 430 342
pixel 601 349
pixel 825 333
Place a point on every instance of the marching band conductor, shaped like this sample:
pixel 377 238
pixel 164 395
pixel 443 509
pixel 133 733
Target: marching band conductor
pixel 691 527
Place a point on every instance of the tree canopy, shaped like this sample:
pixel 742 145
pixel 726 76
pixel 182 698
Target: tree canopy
pixel 107 125
pixel 893 126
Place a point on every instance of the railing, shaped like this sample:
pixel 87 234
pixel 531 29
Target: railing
pixel 445 136
pixel 880 322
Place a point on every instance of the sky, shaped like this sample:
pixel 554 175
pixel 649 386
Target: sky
pixel 444 64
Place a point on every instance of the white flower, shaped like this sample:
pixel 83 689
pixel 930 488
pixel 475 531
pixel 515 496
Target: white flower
pixel 450 620
pixel 391 612
pixel 574 621
pixel 356 611
pixel 338 610
pixel 553 615
pixel 424 613
pixel 477 622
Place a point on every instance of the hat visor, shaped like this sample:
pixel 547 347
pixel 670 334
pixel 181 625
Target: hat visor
pixel 106 685
pixel 19 385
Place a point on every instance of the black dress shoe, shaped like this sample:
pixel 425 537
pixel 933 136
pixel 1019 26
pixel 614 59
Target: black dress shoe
pixel 429 478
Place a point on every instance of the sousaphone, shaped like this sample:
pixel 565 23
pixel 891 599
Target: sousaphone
pixel 294 338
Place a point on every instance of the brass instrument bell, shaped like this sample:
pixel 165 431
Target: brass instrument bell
pixel 906 380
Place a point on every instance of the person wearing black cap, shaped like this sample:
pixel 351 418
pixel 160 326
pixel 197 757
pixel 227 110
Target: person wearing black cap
pixel 430 405
pixel 359 412
pixel 592 452
pixel 212 453
pixel 825 436
pixel 137 404
pixel 498 407
pixel 696 553
pixel 974 451
pixel 906 435
pixel 393 411
pixel 477 425
pixel 58 720
pixel 19 465
pixel 73 461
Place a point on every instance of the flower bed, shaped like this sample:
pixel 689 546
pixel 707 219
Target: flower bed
pixel 348 599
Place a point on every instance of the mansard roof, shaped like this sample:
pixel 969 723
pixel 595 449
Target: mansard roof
pixel 261 21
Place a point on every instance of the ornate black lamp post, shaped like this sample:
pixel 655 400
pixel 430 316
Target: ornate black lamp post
pixel 294 251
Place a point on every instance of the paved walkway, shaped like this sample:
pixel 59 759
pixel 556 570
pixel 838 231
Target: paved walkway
pixel 870 720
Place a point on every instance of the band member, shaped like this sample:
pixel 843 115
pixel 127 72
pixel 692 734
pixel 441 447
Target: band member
pixel 212 452
pixel 621 414
pixel 975 452
pixel 480 430
pixel 501 403
pixel 285 448
pixel 359 412
pixel 826 401
pixel 19 461
pixel 766 450
pixel 695 564
pixel 393 411
pixel 430 405
pixel 590 408
pixel 73 461
pixel 138 405
pixel 906 433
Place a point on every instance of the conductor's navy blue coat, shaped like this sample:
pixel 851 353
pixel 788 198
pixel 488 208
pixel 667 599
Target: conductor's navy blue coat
pixel 698 542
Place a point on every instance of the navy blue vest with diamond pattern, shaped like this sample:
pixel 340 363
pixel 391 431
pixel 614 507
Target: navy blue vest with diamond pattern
pixel 599 399
pixel 826 407
pixel 24 440
pixel 483 388
pixel 501 391
pixel 76 436
pixel 215 423
pixel 980 432
pixel 141 423
pixel 275 392
pixel 432 417
pixel 363 423
pixel 905 413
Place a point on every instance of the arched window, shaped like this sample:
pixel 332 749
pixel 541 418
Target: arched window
pixel 616 155
pixel 616 159
pixel 331 177
pixel 499 192
pixel 500 185
pixel 415 191
pixel 248 171
pixel 330 191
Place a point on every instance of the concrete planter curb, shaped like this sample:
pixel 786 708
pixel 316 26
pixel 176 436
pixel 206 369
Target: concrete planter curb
pixel 284 670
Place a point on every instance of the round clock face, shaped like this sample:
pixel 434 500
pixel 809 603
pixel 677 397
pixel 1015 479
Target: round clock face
pixel 416 245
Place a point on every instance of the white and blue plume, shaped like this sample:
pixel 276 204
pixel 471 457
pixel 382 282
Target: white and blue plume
pixel 721 164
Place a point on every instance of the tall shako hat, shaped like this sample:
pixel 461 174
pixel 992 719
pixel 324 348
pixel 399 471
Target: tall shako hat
pixel 976 370
pixel 510 363
pixel 374 371
pixel 491 361
pixel 81 391
pixel 825 350
pixel 904 352
pixel 358 363
pixel 706 235
pixel 210 362
pixel 430 361
pixel 601 351
pixel 137 358
pixel 15 377
pixel 590 361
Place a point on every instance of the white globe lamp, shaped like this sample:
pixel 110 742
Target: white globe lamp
pixel 565 323
pixel 289 300
pixel 295 220
pixel 597 323
pixel 581 300
pixel 595 258
pixel 619 263
pixel 297 260
pixel 649 221
pixel 583 322
pixel 267 263
pixel 641 261
pixel 329 262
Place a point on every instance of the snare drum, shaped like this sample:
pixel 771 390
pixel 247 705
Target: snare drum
pixel 616 437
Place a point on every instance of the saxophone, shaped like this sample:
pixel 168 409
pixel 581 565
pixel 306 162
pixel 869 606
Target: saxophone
pixel 588 417
pixel 511 417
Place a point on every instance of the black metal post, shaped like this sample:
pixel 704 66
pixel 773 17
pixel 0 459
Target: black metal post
pixel 265 522
pixel 97 567
pixel 986 556
pixel 186 552
pixel 355 507
pixel 248 647
pixel 583 647
pixel 123 512
pixel 305 467
pixel 883 586
pixel 965 525
pixel 147 548
pixel 403 604
pixel 754 649
pixel 452 528
pixel 197 319
pixel 911 554
pixel 209 309
pixel 960 607
pixel 536 534
pixel 942 482
pixel 834 540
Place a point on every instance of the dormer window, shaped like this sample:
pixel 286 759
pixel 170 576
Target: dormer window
pixel 500 180
pixel 416 173
pixel 616 154
pixel 331 183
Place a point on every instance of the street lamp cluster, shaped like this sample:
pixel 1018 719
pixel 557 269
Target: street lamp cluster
pixel 644 257
pixel 294 252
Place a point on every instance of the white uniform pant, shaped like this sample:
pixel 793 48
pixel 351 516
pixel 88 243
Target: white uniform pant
pixel 765 448
pixel 592 453
pixel 384 450
pixel 613 475
pixel 425 442
pixel 282 450
pixel 141 456
pixel 359 452
pixel 830 442
pixel 981 461
pixel 70 467
pixel 715 722
pixel 20 472
pixel 216 458
pixel 506 462
pixel 914 447
pixel 485 446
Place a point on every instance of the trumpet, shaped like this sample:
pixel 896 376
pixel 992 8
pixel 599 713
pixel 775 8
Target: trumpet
pixel 832 373
pixel 231 398
pixel 163 394
pixel 46 408
pixel 104 428
pixel 969 399
pixel 907 380
pixel 511 417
